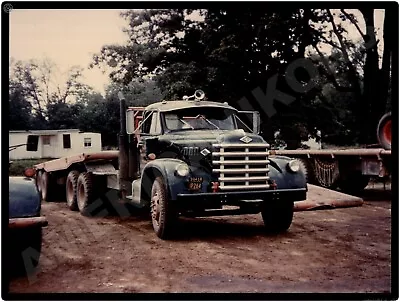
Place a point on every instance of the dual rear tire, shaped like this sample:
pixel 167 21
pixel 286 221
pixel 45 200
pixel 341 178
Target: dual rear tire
pixel 84 194
pixel 79 191
pixel 45 186
pixel 71 189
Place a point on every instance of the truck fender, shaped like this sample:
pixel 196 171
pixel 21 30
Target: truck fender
pixel 24 199
pixel 166 168
pixel 285 179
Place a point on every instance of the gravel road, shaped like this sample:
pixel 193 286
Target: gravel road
pixel 346 250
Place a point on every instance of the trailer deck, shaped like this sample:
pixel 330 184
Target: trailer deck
pixel 64 163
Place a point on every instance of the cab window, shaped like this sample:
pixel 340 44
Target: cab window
pixel 155 127
pixel 146 122
pixel 151 123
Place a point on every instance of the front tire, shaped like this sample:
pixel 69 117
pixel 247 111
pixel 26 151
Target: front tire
pixel 85 195
pixel 163 216
pixel 277 215
pixel 71 189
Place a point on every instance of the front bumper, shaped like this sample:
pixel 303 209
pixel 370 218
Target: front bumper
pixel 188 201
pixel 27 222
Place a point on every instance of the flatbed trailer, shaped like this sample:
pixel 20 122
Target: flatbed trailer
pixel 347 169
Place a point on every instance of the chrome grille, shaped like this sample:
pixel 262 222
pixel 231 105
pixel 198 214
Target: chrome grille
pixel 241 166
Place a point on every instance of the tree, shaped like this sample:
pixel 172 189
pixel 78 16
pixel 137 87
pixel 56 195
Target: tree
pixel 230 53
pixel 371 90
pixel 19 109
pixel 225 52
pixel 40 83
pixel 101 114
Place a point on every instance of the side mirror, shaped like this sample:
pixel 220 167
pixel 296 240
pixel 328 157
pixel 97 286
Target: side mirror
pixel 32 143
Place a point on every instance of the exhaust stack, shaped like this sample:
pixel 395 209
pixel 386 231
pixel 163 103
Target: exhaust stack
pixel 123 144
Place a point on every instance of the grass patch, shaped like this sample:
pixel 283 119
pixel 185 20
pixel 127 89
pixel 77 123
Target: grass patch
pixel 18 166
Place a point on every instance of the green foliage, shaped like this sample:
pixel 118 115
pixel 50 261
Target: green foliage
pixel 19 108
pixel 18 167
pixel 229 52
pixel 101 114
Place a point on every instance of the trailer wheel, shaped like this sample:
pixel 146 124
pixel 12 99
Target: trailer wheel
pixel 353 183
pixel 84 193
pixel 277 215
pixel 71 188
pixel 47 187
pixel 163 215
pixel 38 181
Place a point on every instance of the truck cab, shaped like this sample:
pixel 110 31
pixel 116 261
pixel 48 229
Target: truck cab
pixel 198 158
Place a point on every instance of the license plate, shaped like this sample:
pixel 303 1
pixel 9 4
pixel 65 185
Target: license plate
pixel 195 183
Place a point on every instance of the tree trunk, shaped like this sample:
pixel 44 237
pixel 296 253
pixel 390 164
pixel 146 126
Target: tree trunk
pixel 371 101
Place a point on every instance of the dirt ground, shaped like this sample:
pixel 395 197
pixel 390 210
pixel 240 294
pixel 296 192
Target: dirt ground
pixel 346 250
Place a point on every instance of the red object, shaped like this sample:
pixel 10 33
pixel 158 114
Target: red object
pixel 215 186
pixel 273 185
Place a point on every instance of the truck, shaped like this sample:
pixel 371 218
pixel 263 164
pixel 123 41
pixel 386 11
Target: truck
pixel 189 157
pixel 347 169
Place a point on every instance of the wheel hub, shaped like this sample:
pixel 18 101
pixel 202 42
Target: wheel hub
pixel 155 207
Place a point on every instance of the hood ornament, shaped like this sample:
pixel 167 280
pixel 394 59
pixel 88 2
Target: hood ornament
pixel 246 139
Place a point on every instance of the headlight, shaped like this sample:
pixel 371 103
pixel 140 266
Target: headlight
pixel 182 170
pixel 294 165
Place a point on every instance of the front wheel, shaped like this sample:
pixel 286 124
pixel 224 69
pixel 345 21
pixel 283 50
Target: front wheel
pixel 277 215
pixel 163 215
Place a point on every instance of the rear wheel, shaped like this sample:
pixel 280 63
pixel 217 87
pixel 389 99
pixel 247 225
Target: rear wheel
pixel 163 215
pixel 38 181
pixel 71 190
pixel 47 187
pixel 84 193
pixel 277 215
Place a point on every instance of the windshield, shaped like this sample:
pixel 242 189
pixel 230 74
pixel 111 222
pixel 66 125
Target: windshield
pixel 200 118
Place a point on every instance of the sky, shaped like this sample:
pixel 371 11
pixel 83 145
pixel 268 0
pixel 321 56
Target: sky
pixel 71 37
pixel 66 37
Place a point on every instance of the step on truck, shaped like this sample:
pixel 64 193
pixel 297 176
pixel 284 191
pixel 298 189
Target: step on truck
pixel 187 157
pixel 348 169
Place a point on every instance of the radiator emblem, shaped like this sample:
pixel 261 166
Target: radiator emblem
pixel 205 152
pixel 246 139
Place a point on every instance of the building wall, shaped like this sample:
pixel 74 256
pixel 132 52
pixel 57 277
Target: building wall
pixel 56 148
